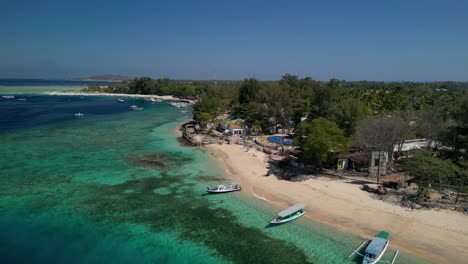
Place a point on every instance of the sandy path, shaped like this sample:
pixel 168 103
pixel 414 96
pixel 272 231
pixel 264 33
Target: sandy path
pixel 441 236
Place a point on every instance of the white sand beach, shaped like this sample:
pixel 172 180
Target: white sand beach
pixel 161 97
pixel 440 236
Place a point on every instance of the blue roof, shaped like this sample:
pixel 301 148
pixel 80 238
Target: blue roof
pixel 376 246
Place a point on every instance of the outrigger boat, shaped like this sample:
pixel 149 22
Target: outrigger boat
pixel 376 249
pixel 154 100
pixel 289 214
pixel 136 108
pixel 228 187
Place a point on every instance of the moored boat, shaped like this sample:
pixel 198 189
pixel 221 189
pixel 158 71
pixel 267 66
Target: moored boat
pixel 79 114
pixel 121 100
pixel 153 100
pixel 228 187
pixel 179 104
pixel 376 248
pixel 289 214
pixel 136 108
pixel 8 96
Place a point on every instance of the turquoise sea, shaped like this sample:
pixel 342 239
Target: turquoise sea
pixel 117 186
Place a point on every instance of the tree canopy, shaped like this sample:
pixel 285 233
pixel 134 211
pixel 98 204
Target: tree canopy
pixel 429 169
pixel 320 141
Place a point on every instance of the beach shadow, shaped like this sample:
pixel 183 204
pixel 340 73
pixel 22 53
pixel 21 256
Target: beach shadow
pixel 359 182
pixel 356 259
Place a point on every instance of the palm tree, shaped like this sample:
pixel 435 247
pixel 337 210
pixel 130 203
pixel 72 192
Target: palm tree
pixel 256 126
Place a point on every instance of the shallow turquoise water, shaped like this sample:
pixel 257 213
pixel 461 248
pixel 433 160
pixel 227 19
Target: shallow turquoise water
pixel 118 187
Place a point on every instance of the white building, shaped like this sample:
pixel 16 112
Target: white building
pixel 414 144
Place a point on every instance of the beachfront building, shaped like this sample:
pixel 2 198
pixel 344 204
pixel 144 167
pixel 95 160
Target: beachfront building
pixel 233 127
pixel 373 162
pixel 413 144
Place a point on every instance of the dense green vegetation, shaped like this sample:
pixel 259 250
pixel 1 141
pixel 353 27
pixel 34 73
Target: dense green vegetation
pixel 164 86
pixel 321 140
pixel 331 117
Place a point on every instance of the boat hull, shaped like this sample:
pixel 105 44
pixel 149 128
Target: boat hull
pixel 274 222
pixel 222 191
pixel 376 260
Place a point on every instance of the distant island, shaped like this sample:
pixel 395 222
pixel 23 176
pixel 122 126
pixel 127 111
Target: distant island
pixel 107 78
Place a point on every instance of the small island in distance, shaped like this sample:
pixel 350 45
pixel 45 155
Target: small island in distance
pixel 106 77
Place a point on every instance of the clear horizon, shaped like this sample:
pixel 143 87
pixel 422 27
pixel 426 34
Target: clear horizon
pixel 421 41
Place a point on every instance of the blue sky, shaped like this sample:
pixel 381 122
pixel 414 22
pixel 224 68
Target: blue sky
pixel 351 40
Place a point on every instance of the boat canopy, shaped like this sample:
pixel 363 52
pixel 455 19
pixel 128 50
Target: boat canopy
pixel 291 210
pixel 228 185
pixel 383 234
pixel 376 246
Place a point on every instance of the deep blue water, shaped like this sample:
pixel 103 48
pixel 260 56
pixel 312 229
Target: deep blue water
pixel 40 82
pixel 38 110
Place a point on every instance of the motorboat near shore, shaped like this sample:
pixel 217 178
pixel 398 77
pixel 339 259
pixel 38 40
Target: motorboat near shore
pixel 136 108
pixel 8 97
pixel 375 249
pixel 179 104
pixel 289 214
pixel 153 100
pixel 121 100
pixel 228 187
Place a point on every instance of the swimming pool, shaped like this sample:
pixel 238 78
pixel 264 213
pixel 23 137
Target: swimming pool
pixel 280 140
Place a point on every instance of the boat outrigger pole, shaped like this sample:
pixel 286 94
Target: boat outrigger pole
pixel 357 249
pixel 394 257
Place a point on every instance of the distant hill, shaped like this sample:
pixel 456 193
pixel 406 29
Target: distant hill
pixel 106 77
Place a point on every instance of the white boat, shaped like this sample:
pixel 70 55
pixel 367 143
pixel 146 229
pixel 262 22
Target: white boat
pixel 289 214
pixel 121 100
pixel 8 96
pixel 136 108
pixel 376 248
pixel 179 104
pixel 228 187
pixel 79 114
pixel 153 99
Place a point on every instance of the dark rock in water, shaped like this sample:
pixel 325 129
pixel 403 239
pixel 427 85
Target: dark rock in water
pixel 154 156
pixel 159 160
pixel 211 178
pixel 149 160
pixel 152 163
